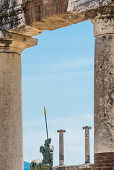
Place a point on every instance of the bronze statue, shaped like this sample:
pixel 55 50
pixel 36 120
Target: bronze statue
pixel 47 162
pixel 47 152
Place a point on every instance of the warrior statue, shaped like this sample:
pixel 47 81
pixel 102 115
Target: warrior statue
pixel 47 152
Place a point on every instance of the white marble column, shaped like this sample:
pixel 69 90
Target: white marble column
pixel 11 121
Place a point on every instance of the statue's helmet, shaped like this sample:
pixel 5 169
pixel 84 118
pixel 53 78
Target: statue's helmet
pixel 48 141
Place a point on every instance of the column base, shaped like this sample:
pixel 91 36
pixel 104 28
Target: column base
pixel 104 161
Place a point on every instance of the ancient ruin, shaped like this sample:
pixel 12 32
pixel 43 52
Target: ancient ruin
pixel 87 144
pixel 21 19
pixel 61 146
pixel 86 166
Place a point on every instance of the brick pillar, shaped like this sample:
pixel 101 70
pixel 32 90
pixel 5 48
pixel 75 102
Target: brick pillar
pixel 104 89
pixel 87 144
pixel 61 146
pixel 11 122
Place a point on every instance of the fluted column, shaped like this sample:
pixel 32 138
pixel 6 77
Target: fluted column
pixel 104 88
pixel 61 146
pixel 11 121
pixel 87 144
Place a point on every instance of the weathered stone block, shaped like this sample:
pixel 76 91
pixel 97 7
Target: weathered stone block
pixel 85 5
pixel 11 14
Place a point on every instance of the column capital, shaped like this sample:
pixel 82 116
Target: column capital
pixel 61 131
pixel 11 42
pixel 100 13
pixel 87 127
pixel 102 19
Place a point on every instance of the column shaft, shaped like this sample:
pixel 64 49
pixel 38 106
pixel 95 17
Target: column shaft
pixel 11 123
pixel 87 144
pixel 61 146
pixel 87 150
pixel 61 149
pixel 104 93
pixel 11 133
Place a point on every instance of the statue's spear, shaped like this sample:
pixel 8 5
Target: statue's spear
pixel 46 121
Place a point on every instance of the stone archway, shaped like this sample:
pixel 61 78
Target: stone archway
pixel 22 19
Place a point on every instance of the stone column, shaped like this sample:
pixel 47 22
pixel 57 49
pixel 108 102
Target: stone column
pixel 11 122
pixel 87 144
pixel 61 146
pixel 104 89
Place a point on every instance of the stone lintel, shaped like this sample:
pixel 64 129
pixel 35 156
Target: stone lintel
pixel 33 17
pixel 50 23
pixel 86 5
pixel 61 131
pixel 11 42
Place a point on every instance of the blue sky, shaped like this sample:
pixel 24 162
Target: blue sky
pixel 59 73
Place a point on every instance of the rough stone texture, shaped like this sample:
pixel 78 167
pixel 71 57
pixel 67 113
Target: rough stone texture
pixel 61 146
pixel 11 129
pixel 104 161
pixel 11 14
pixel 31 17
pixel 101 26
pixel 85 5
pixel 11 135
pixel 104 89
